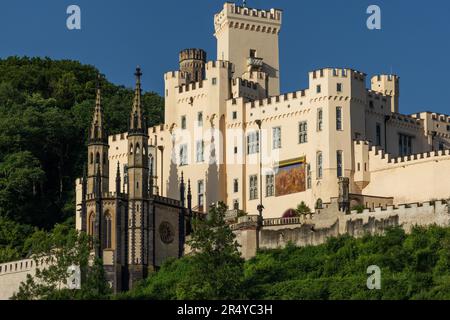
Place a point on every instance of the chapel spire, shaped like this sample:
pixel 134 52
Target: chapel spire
pixel 97 132
pixel 137 121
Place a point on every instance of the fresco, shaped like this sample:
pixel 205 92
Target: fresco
pixel 290 179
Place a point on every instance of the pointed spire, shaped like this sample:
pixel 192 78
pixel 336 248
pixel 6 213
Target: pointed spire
pixel 96 132
pixel 137 118
pixel 182 189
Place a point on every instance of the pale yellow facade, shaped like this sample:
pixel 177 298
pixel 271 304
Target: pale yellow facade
pixel 331 128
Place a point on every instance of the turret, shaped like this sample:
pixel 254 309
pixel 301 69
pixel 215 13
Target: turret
pixel 98 147
pixel 388 85
pixel 192 63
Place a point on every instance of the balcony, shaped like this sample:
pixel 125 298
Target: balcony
pixel 254 64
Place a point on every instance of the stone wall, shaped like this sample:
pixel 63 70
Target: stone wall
pixel 316 228
pixel 12 274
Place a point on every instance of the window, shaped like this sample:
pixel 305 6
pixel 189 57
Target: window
pixel 448 128
pixel 319 88
pixel 339 163
pixel 236 204
pixel 253 142
pixel 441 146
pixel 200 151
pixel 276 138
pixel 378 134
pixel 371 104
pixel 338 118
pixel 303 132
pixel 309 177
pixel 183 155
pixel 183 122
pixel 235 150
pixel 108 233
pixel 235 185
pixel 125 174
pixel 200 119
pixel 138 149
pixel 97 158
pixel 404 145
pixel 270 188
pixel 201 193
pixel 252 53
pixel 319 165
pixel 339 87
pixel 234 115
pixel 214 81
pixel 319 119
pixel 253 187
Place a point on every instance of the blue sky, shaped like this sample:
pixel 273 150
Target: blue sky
pixel 117 35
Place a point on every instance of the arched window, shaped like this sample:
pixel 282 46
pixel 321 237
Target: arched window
pixel 319 204
pixel 91 224
pixel 131 149
pixel 97 158
pixel 108 231
pixel 319 165
pixel 138 149
pixel 92 158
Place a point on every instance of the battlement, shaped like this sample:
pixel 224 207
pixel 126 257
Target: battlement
pixel 106 195
pixel 337 72
pixel 17 266
pixel 380 160
pixel 117 137
pixel 231 10
pixel 392 210
pixel 385 77
pixel 192 54
pixel 174 75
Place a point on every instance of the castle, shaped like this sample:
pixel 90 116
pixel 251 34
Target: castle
pixel 335 146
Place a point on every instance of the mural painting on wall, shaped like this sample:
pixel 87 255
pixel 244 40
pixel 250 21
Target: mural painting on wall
pixel 290 177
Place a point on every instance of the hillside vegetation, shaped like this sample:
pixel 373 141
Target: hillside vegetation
pixel 415 266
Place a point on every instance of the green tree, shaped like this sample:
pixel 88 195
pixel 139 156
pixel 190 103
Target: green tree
pixel 54 253
pixel 302 209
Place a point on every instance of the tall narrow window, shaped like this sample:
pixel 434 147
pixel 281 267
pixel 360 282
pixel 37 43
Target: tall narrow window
pixel 235 185
pixel 253 142
pixel 201 193
pixel 252 53
pixel 253 187
pixel 108 231
pixel 303 132
pixel 183 122
pixel 339 87
pixel 405 145
pixel 378 134
pixel 276 138
pixel 236 204
pixel 338 118
pixel 200 119
pixel 200 151
pixel 183 155
pixel 319 165
pixel 270 188
pixel 319 119
pixel 339 163
pixel 319 88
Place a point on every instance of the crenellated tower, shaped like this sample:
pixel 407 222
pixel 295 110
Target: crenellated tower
pixel 138 194
pixel 98 147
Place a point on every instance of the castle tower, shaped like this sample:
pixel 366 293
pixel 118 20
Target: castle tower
pixel 388 85
pixel 138 177
pixel 249 39
pixel 98 149
pixel 192 62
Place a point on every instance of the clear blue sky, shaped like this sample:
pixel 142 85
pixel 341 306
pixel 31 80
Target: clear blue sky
pixel 117 35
